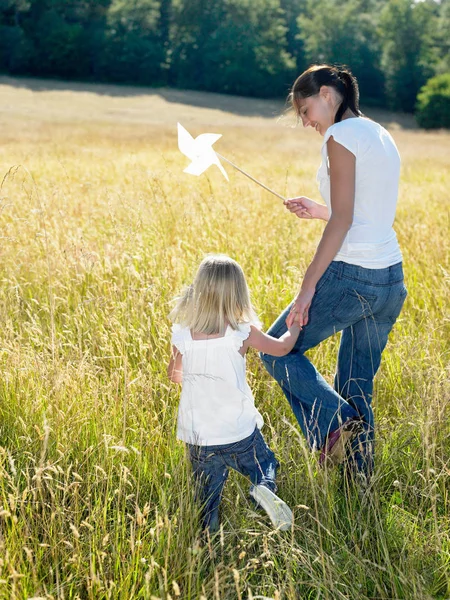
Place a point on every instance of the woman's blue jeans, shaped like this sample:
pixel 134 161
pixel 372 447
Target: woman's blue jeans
pixel 364 304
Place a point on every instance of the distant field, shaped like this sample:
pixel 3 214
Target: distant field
pixel 99 230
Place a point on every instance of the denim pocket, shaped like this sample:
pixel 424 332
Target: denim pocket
pixel 352 306
pixel 325 277
pixel 396 307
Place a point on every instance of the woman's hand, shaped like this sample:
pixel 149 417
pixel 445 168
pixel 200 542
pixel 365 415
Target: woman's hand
pixel 299 312
pixel 305 208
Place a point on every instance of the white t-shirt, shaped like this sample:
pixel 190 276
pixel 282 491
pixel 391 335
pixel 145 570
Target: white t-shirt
pixel 371 242
pixel 216 403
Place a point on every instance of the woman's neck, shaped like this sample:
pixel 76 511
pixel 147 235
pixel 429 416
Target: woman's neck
pixel 349 114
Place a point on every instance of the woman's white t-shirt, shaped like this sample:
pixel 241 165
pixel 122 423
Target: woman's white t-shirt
pixel 216 403
pixel 371 241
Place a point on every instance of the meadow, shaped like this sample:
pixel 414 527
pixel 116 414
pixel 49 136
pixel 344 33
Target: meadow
pixel 100 228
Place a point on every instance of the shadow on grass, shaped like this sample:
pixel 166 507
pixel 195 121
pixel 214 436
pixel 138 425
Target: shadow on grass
pixel 238 105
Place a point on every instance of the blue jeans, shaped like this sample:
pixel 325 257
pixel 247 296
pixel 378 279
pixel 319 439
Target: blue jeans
pixel 210 464
pixel 364 304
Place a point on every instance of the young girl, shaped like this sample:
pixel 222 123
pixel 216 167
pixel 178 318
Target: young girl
pixel 215 324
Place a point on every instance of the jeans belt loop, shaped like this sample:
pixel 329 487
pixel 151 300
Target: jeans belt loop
pixel 340 269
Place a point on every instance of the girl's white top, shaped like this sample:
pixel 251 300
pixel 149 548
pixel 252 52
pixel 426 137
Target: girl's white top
pixel 371 242
pixel 216 403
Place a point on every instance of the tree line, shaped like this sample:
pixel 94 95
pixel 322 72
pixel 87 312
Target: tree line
pixel 245 47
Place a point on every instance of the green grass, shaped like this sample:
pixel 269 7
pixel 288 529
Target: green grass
pixel 100 229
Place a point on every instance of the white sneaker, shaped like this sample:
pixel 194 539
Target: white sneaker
pixel 278 511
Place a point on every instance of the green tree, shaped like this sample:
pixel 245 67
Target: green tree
pixel 442 38
pixel 51 37
pixel 433 103
pixel 233 46
pixel 58 46
pixel 11 11
pixel 408 60
pixel 294 42
pixel 165 17
pixel 16 50
pixel 345 32
pixel 133 51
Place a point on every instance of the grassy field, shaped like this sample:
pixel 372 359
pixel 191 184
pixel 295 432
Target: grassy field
pixel 99 230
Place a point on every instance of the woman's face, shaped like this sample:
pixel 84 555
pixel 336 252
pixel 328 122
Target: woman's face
pixel 319 111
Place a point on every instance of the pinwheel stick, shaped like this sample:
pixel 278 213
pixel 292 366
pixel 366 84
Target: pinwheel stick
pixel 250 177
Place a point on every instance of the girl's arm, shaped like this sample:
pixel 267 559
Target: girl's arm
pixel 270 345
pixel 175 366
pixel 342 186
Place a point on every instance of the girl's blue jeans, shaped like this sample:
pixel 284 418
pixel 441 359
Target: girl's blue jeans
pixel 363 304
pixel 211 464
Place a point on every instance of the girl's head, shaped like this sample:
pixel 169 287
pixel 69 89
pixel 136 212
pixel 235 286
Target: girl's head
pixel 219 296
pixel 322 94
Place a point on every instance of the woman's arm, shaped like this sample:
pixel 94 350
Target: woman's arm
pixel 342 187
pixel 305 208
pixel 175 366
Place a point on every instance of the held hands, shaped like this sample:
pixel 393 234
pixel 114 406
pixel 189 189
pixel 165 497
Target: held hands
pixel 304 208
pixel 293 319
pixel 300 308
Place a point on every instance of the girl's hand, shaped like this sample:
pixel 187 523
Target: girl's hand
pixel 300 308
pixel 305 208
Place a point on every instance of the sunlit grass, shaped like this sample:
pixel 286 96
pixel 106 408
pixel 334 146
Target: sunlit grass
pixel 99 230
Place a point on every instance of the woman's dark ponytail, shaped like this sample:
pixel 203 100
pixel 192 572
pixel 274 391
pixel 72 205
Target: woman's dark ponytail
pixel 309 84
pixel 350 98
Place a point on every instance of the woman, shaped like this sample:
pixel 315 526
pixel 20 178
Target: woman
pixel 354 283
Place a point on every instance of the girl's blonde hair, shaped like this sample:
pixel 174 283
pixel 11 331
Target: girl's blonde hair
pixel 218 296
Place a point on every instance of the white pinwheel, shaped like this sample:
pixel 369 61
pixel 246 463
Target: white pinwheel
pixel 202 155
pixel 200 151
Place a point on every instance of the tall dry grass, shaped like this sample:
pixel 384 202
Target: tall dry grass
pixel 99 229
